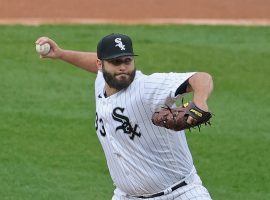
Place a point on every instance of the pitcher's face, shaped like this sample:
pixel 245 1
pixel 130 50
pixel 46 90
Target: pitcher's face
pixel 119 72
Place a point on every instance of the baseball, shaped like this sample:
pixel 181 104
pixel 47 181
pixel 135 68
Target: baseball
pixel 43 49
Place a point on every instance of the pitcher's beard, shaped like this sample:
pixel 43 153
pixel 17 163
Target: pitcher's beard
pixel 113 82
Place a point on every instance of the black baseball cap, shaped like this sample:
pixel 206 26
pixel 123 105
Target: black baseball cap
pixel 113 46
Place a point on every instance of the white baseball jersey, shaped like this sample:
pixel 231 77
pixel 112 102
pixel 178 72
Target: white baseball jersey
pixel 142 158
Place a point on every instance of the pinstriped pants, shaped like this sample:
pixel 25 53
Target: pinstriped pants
pixel 194 190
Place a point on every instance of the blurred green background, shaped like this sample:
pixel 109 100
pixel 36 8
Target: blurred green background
pixel 49 148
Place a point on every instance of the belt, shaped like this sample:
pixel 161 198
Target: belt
pixel 163 193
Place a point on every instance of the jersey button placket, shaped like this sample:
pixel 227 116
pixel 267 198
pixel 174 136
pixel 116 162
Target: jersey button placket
pixel 110 136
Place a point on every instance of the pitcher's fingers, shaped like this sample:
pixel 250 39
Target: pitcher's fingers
pixel 42 40
pixel 191 120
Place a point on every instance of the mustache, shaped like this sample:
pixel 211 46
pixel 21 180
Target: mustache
pixel 122 74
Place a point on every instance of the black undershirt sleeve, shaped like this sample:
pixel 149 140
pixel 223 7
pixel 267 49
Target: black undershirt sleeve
pixel 182 88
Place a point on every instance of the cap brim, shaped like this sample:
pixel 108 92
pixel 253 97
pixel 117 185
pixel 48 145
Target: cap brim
pixel 119 55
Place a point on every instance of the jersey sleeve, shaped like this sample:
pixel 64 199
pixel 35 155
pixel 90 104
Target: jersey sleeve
pixel 99 84
pixel 159 89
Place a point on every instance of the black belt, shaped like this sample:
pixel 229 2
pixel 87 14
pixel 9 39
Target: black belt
pixel 162 193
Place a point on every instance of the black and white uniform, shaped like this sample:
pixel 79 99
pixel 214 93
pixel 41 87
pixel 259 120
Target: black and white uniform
pixel 144 159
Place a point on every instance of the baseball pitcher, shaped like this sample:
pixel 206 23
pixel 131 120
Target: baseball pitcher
pixel 138 124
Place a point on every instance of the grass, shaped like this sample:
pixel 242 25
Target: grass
pixel 48 145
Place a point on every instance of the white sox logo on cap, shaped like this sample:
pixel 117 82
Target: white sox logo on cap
pixel 119 44
pixel 113 46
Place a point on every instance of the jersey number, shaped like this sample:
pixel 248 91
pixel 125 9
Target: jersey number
pixel 99 123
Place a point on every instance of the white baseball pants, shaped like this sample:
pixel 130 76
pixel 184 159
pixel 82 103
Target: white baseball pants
pixel 194 190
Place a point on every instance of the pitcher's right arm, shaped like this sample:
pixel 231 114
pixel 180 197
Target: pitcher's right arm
pixel 83 60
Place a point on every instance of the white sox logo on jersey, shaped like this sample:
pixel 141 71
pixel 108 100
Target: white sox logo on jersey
pixel 126 127
pixel 119 44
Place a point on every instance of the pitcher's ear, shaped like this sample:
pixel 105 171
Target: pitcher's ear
pixel 99 64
